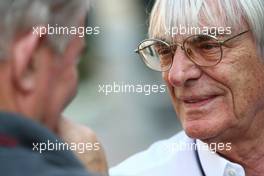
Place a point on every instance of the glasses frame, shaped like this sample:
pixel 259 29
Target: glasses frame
pixel 220 42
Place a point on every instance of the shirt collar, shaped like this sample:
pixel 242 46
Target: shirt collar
pixel 216 165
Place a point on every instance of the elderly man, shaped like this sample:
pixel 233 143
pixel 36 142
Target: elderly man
pixel 211 55
pixel 38 79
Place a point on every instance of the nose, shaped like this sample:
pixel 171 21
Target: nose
pixel 183 70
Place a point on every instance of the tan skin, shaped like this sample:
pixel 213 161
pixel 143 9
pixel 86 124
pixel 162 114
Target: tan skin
pixel 93 160
pixel 39 83
pixel 231 101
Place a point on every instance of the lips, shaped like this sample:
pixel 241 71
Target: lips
pixel 198 101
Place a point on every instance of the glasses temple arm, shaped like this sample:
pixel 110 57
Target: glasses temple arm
pixel 234 36
pixel 137 50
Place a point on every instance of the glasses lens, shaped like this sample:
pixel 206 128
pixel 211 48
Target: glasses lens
pixel 203 50
pixel 157 55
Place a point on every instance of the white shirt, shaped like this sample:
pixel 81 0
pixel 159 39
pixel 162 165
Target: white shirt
pixel 175 157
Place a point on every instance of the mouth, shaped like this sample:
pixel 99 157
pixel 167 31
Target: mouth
pixel 198 101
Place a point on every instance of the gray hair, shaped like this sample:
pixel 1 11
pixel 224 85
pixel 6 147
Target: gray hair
pixel 227 13
pixel 19 16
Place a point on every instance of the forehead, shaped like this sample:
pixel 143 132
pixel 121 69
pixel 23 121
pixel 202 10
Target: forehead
pixel 172 15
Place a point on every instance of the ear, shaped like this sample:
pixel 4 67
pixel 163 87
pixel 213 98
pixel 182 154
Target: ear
pixel 23 60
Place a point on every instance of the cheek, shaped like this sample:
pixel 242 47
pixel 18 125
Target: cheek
pixel 171 92
pixel 66 85
pixel 69 80
pixel 249 89
pixel 243 76
pixel 169 86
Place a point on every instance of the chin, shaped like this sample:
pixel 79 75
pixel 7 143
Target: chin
pixel 199 129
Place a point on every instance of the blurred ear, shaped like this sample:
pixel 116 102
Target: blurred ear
pixel 23 61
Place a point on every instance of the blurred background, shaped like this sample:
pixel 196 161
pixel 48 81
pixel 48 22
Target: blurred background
pixel 125 123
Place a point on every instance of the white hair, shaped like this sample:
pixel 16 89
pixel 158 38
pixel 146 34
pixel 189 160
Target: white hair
pixel 227 13
pixel 19 16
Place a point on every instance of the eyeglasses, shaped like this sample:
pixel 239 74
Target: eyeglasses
pixel 203 50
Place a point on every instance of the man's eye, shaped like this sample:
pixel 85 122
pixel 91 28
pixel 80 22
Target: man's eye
pixel 208 46
pixel 163 51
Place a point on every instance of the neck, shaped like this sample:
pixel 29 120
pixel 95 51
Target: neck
pixel 247 148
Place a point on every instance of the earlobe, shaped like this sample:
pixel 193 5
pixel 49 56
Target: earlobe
pixel 23 71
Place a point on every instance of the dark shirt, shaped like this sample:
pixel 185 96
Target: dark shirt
pixel 20 141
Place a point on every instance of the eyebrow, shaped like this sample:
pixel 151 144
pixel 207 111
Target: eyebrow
pixel 200 38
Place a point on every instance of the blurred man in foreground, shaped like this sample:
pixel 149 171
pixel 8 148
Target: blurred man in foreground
pixel 38 79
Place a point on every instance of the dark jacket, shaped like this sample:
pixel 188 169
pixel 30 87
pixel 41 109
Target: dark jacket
pixel 20 155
